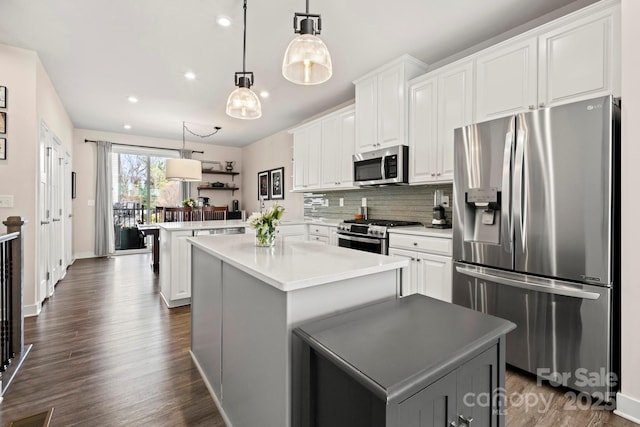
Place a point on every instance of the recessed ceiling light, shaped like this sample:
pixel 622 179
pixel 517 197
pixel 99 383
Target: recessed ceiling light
pixel 264 94
pixel 190 75
pixel 127 127
pixel 224 21
pixel 132 99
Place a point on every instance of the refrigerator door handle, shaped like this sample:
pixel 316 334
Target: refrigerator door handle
pixel 518 196
pixel 550 286
pixel 507 228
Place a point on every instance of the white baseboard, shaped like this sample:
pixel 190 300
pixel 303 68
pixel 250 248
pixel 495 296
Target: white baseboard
pixel 83 255
pixel 32 310
pixel 627 407
pixel 211 392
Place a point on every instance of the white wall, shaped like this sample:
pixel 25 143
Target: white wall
pixel 629 398
pixel 270 153
pixel 30 98
pixel 85 168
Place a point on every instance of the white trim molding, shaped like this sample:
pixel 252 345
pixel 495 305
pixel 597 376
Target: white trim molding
pixel 627 407
pixel 32 310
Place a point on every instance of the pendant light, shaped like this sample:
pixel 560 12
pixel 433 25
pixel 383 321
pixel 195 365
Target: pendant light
pixel 307 60
pixel 188 170
pixel 243 103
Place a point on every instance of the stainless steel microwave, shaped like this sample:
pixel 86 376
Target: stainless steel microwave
pixel 382 166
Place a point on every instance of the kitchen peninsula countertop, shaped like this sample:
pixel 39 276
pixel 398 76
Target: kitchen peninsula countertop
pixel 294 265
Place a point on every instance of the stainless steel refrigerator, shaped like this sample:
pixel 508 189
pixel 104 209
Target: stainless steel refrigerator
pixel 536 237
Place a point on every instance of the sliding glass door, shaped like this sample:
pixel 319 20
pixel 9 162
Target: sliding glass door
pixel 139 185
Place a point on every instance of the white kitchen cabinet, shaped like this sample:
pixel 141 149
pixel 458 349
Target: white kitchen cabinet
pixel 333 235
pixel 338 147
pixel 307 159
pixel 318 233
pixel 292 232
pixel 323 150
pixel 573 58
pixel 382 104
pixel 507 79
pixel 423 129
pixel 429 272
pixel 455 109
pixel 440 101
pixel 580 59
pixel 175 271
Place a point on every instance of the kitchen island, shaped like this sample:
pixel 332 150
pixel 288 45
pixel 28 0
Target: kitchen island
pixel 175 252
pixel 246 300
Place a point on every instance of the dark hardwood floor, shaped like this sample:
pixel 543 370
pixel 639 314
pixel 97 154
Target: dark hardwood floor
pixel 107 352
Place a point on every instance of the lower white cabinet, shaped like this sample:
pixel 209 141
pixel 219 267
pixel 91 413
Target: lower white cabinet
pixel 175 270
pixel 318 233
pixel 292 232
pixel 429 272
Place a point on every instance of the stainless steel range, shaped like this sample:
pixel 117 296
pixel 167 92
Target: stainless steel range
pixel 369 235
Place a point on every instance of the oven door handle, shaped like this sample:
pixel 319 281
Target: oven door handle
pixel 359 239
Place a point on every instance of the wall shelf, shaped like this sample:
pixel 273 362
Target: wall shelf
pixel 204 187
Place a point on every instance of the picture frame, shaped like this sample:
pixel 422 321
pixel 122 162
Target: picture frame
pixel 3 149
pixel 73 185
pixel 3 97
pixel 263 185
pixel 276 183
pixel 3 122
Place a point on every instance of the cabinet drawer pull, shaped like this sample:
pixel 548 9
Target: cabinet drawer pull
pixel 415 243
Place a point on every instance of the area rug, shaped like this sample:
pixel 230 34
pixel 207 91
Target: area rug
pixel 38 420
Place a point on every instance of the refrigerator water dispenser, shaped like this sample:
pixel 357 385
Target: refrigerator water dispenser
pixel 482 215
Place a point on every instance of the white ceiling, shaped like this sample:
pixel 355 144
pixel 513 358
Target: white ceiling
pixel 99 52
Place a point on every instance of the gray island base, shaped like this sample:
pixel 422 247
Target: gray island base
pixel 411 362
pixel 245 303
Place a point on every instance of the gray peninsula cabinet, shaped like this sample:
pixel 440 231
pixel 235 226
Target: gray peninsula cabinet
pixel 414 361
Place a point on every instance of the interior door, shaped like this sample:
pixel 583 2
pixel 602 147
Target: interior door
pixel 55 215
pixel 43 213
pixel 68 212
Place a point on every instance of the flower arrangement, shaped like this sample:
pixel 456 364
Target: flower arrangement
pixel 189 203
pixel 265 224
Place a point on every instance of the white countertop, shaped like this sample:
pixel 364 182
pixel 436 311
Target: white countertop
pixel 201 225
pixel 292 265
pixel 421 230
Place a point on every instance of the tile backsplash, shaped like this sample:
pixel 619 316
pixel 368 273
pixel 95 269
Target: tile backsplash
pixel 401 202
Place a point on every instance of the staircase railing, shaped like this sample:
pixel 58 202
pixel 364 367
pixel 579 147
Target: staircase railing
pixel 12 348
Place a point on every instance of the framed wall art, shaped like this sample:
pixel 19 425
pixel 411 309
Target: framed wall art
pixel 263 185
pixel 3 122
pixel 276 176
pixel 3 149
pixel 3 97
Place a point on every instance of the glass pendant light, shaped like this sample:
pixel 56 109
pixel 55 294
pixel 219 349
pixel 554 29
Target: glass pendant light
pixel 307 60
pixel 243 103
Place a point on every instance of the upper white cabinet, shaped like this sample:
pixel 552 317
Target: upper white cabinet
pixel 580 59
pixel 338 147
pixel 382 104
pixel 322 151
pixel 573 58
pixel 507 80
pixel 306 157
pixel 440 101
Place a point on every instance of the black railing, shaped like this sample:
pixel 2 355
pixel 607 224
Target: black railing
pixel 126 217
pixel 12 349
